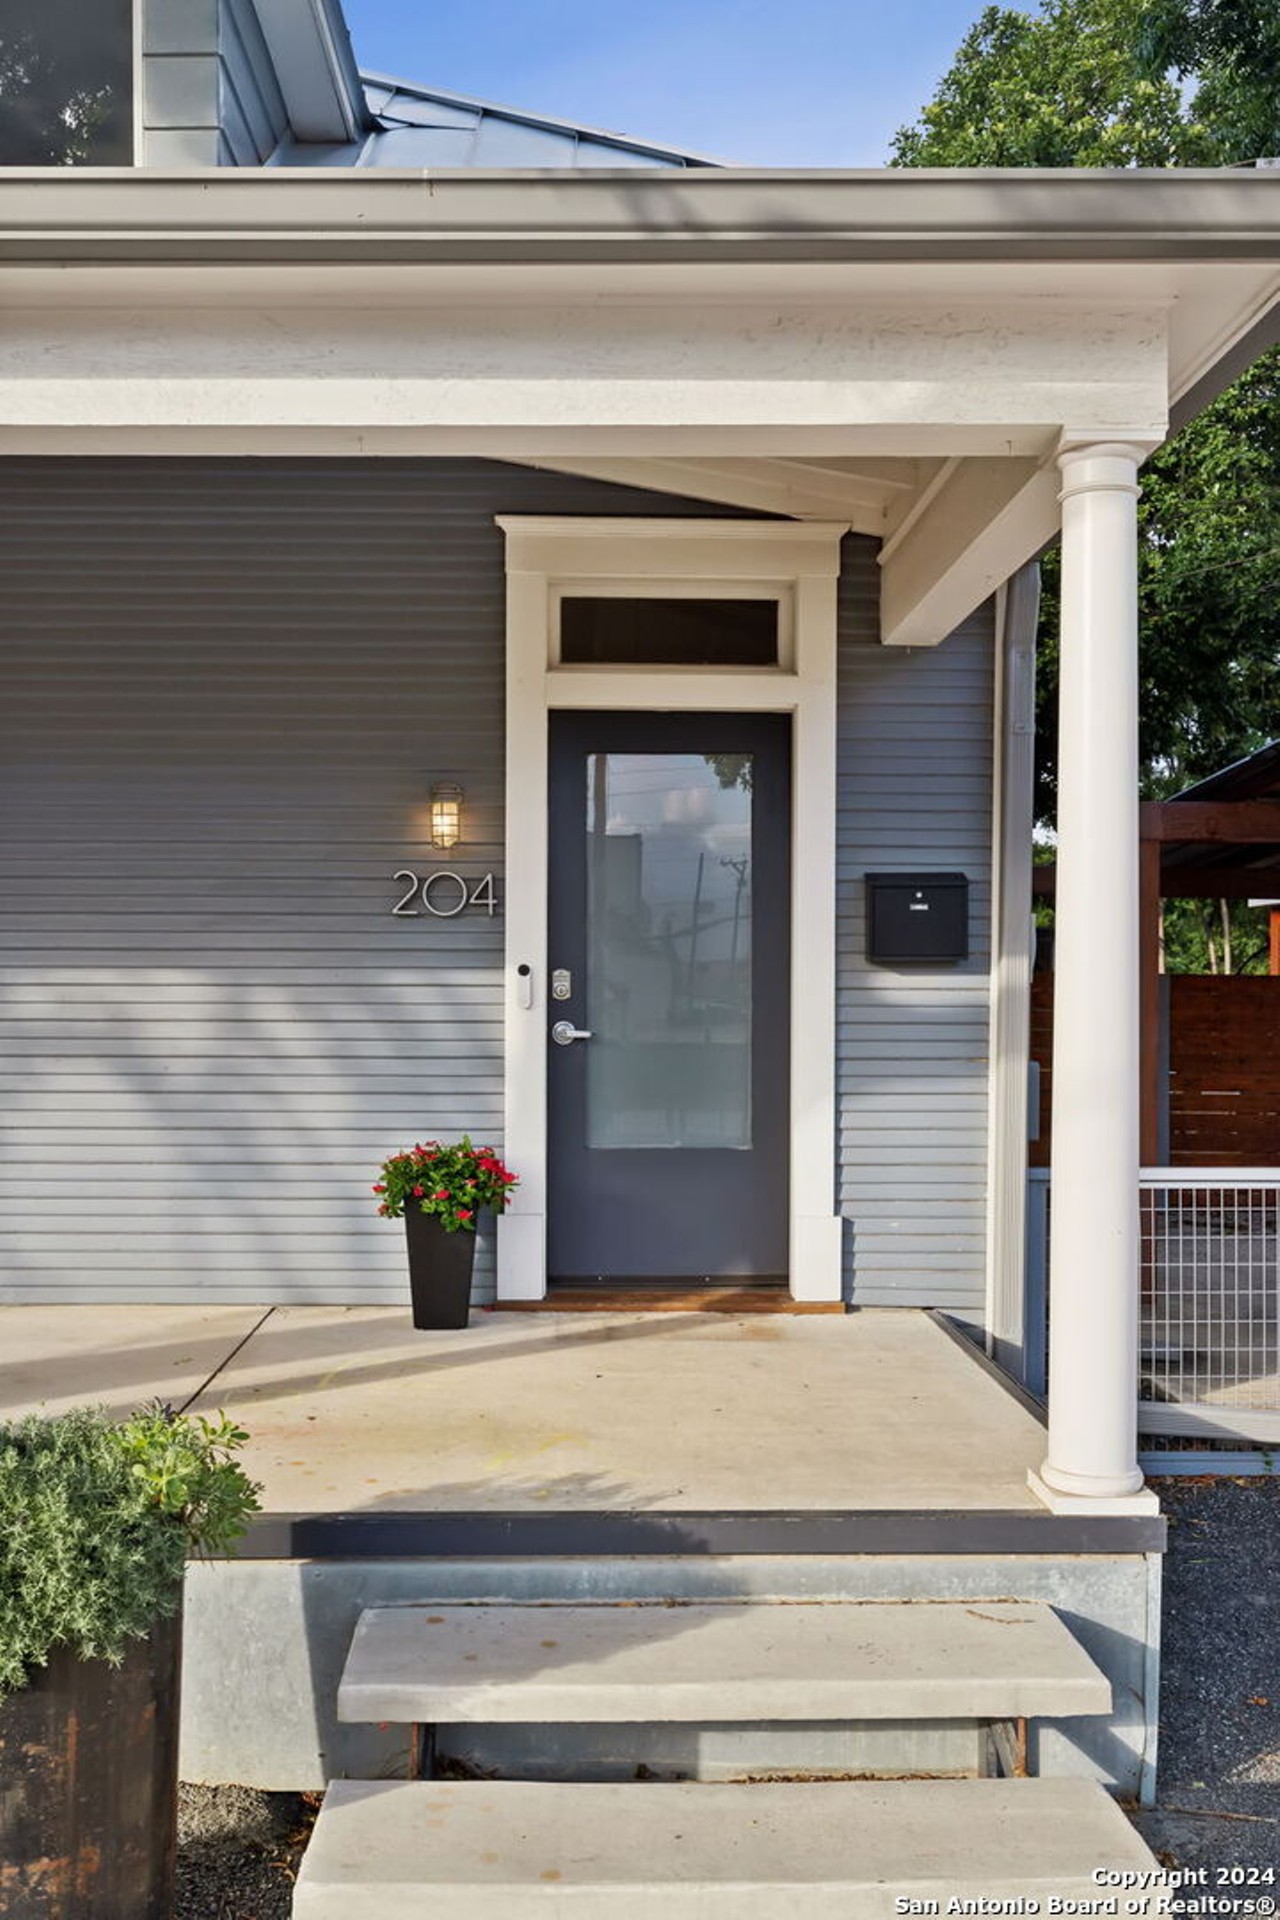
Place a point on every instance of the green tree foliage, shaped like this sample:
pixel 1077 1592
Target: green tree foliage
pixel 1215 936
pixel 1067 87
pixel 1153 83
pixel 1232 47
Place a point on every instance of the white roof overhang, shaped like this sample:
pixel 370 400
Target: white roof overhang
pixel 906 351
pixel 315 68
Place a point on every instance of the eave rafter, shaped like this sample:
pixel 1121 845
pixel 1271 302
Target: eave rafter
pixel 980 521
pixel 869 494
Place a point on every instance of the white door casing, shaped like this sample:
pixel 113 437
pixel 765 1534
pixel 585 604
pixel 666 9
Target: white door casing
pixel 798 565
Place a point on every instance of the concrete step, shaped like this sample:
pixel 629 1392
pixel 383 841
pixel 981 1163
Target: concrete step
pixel 513 1850
pixel 491 1664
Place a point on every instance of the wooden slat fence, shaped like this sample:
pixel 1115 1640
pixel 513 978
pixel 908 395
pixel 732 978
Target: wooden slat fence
pixel 1042 1054
pixel 1224 1069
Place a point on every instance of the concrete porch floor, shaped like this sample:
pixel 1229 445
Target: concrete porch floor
pixel 350 1409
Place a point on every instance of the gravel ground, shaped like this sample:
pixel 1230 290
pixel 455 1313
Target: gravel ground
pixel 1219 1759
pixel 238 1851
pixel 1219 1726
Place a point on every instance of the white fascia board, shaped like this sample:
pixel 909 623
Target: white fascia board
pixel 315 69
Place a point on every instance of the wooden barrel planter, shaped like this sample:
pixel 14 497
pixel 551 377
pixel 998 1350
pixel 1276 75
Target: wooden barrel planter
pixel 89 1786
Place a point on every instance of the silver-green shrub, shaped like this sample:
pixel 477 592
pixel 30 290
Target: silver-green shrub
pixel 97 1518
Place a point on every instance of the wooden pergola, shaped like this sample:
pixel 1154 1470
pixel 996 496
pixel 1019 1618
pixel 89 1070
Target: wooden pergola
pixel 1217 840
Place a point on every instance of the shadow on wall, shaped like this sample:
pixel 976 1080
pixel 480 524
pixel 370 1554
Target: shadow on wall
pixel 210 1010
pixel 232 1132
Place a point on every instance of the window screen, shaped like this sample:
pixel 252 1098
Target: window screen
pixel 605 632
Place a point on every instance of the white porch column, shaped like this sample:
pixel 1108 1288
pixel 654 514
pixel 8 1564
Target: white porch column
pixel 1093 1345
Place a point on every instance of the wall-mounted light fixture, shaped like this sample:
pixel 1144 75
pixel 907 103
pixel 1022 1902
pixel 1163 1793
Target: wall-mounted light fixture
pixel 446 813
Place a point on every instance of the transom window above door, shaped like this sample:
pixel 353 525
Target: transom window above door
pixel 614 630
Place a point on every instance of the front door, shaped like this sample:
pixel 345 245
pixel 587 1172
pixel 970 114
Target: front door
pixel 668 1042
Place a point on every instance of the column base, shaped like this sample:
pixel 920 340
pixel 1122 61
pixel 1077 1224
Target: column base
pixel 1143 1501
pixel 817 1246
pixel 522 1256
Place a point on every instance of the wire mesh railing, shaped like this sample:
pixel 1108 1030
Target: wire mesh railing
pixel 1210 1304
pixel 1209 1331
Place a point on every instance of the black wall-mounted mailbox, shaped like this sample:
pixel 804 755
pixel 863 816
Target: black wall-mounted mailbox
pixel 921 917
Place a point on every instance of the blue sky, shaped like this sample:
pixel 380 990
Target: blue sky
pixel 770 82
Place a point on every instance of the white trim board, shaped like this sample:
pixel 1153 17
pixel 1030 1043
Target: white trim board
pixel 798 564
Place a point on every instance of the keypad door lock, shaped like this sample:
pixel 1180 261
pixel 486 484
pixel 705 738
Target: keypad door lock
pixel 561 984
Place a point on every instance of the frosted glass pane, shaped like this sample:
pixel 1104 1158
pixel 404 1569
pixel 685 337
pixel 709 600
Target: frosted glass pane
pixel 669 909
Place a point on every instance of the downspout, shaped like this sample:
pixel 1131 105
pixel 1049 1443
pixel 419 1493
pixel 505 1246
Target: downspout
pixel 1012 955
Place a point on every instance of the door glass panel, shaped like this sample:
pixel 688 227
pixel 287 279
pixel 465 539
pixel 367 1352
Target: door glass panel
pixel 669 912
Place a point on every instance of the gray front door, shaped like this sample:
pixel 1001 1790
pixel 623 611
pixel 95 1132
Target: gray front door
pixel 670 948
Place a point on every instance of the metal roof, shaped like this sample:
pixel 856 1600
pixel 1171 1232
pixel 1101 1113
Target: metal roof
pixel 1256 777
pixel 414 126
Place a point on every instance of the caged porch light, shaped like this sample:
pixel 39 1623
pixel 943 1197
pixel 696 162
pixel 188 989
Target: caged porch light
pixel 446 814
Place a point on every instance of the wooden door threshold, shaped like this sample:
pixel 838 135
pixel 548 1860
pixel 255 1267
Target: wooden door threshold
pixel 668 1300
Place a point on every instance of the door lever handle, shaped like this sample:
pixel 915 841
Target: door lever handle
pixel 564 1033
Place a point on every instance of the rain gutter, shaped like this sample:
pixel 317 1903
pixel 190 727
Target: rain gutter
pixel 120 216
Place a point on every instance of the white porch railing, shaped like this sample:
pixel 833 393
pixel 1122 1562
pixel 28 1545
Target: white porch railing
pixel 1209 1346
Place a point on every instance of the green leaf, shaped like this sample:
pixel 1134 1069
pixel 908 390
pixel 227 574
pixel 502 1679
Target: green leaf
pixel 1151 83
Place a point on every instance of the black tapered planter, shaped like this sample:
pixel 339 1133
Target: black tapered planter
pixel 89 1786
pixel 440 1266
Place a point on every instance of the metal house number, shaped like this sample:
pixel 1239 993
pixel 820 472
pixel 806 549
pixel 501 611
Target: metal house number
pixel 444 894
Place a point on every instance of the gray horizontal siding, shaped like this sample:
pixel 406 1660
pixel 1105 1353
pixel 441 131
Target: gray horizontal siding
pixel 224 692
pixel 209 91
pixel 915 793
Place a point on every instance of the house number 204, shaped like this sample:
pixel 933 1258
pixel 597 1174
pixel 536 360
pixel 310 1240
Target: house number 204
pixel 444 894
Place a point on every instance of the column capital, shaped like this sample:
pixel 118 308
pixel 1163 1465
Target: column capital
pixel 1102 466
